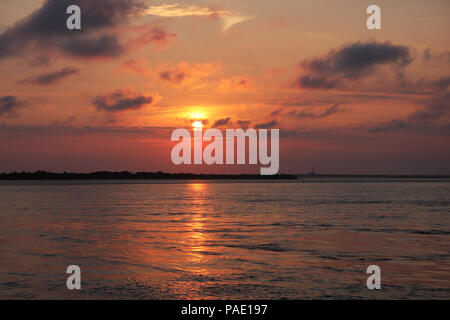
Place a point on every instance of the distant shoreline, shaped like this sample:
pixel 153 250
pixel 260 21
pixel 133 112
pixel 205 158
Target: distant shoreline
pixel 125 175
pixel 371 176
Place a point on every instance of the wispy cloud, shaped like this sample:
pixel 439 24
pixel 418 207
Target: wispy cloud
pixel 238 84
pixel 229 21
pixel 51 77
pixel 187 74
pixel 9 104
pixel 136 66
pixel 122 100
pixel 176 10
pixel 266 125
pixel 433 117
pixel 228 18
pixel 328 112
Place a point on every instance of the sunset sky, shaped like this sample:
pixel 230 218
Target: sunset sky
pixel 345 98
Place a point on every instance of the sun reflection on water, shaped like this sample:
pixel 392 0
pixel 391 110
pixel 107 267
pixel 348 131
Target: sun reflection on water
pixel 196 236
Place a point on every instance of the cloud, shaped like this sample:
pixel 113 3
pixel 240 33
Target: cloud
pixel 94 46
pixel 122 100
pixel 235 85
pixel 174 76
pixel 176 10
pixel 435 108
pixel 228 21
pixel 50 78
pixel 441 84
pixel 350 63
pixel 149 33
pixel 328 112
pixel 314 82
pixel 434 117
pixel 135 66
pixel 63 128
pixel 66 122
pixel 228 18
pixel 44 31
pixel 9 104
pixel 239 123
pixel 275 113
pixel 266 125
pixel 431 56
pixel 222 122
pixel 404 84
pixel 394 125
pixel 243 123
pixel 188 74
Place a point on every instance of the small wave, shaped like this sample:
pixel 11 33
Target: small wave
pixel 208 253
pixel 14 285
pixel 411 231
pixel 267 246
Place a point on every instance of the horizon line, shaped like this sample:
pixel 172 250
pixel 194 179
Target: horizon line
pixel 137 173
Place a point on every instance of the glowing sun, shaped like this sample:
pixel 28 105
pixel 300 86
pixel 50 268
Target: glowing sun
pixel 197 125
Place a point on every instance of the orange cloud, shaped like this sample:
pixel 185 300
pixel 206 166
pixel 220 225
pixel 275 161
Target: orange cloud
pixel 176 10
pixel 227 18
pixel 136 66
pixel 185 74
pixel 147 34
pixel 237 84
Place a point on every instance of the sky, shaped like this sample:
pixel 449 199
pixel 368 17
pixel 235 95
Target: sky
pixel 346 99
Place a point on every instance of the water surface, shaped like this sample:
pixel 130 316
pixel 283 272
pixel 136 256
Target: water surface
pixel 224 240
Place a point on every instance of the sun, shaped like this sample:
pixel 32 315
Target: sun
pixel 197 125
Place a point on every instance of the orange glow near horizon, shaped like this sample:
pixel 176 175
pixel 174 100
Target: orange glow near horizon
pixel 198 115
pixel 289 67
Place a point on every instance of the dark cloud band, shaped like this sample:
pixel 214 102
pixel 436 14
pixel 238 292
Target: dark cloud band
pixel 122 101
pixel 50 78
pixel 45 31
pixel 9 104
pixel 350 62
